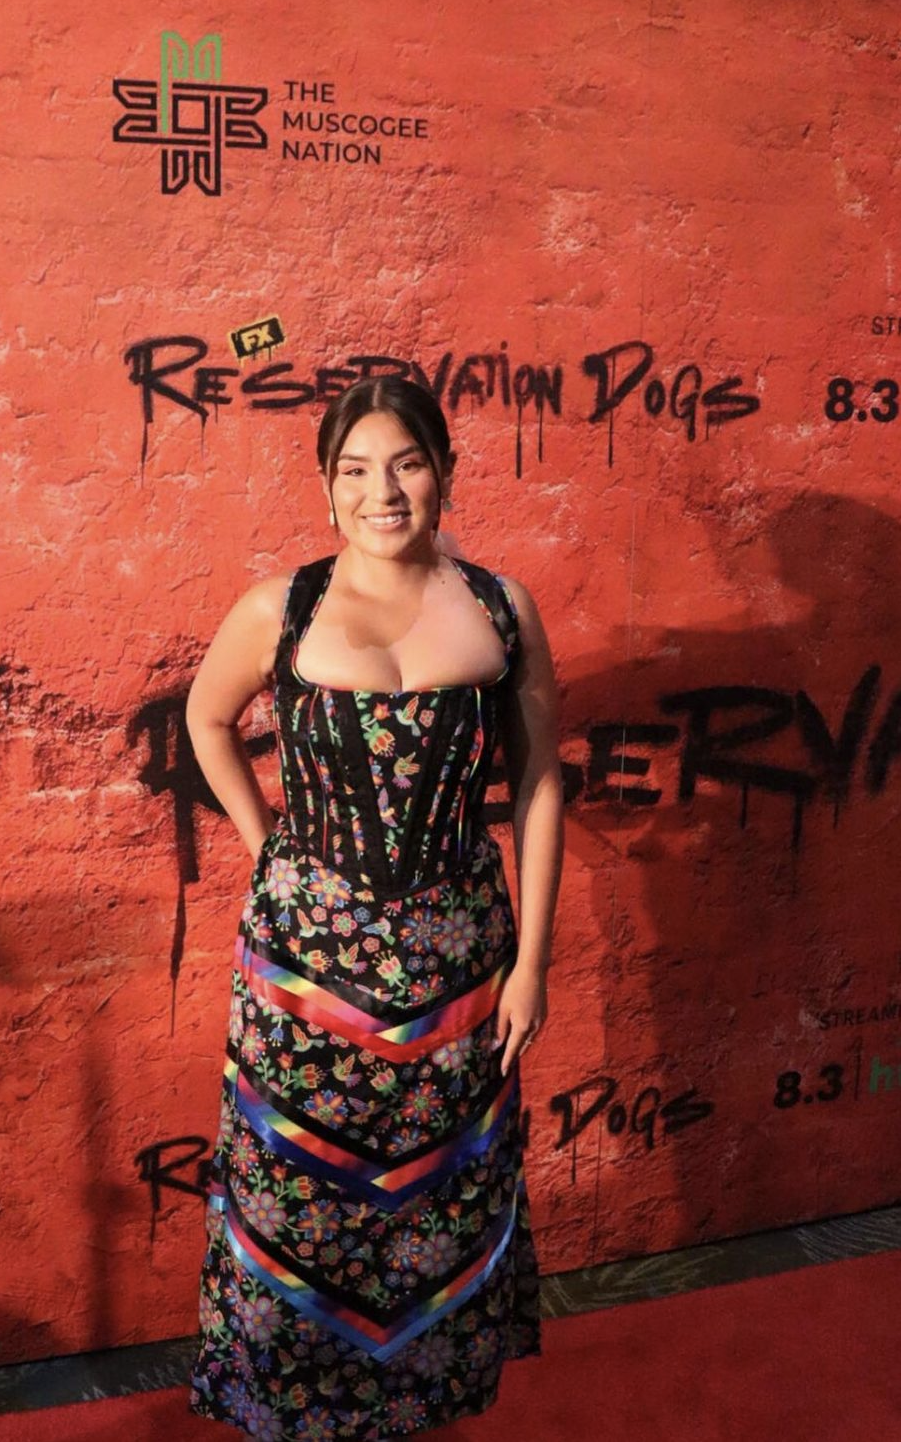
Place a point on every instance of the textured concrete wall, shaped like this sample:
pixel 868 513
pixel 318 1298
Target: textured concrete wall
pixel 633 253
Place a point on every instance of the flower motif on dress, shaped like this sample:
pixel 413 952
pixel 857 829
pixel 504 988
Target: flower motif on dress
pixel 405 1139
pixel 282 879
pixel 261 1318
pixel 404 1249
pixel 215 1226
pixel 420 928
pixel 427 990
pixel 244 1153
pixel 432 1355
pixel 253 1045
pixel 235 1400
pixel 389 967
pixel 329 887
pixel 211 1318
pixel 319 1221
pixel 457 934
pixel 453 1055
pixel 405 1411
pixel 439 1253
pixel 319 960
pixel 236 1017
pixel 262 1423
pixel 421 1105
pixel 328 1107
pixel 264 1212
pixel 384 1079
pixel 482 1349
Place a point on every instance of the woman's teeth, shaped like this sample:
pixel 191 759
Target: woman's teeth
pixel 386 523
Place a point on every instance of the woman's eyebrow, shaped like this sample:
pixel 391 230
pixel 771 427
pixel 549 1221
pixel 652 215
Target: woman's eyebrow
pixel 407 450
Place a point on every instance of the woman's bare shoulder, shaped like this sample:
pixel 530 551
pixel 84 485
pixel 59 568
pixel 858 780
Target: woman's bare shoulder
pixel 266 601
pixel 268 597
pixel 262 604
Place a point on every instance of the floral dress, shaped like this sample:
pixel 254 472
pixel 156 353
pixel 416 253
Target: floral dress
pixel 370 1264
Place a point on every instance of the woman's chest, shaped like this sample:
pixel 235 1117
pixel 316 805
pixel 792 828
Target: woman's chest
pixel 439 640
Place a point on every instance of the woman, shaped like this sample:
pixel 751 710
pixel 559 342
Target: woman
pixel 370 1263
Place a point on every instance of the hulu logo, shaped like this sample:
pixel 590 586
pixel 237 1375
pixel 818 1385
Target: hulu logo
pixel 883 1076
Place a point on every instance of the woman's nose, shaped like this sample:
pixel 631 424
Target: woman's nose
pixel 386 482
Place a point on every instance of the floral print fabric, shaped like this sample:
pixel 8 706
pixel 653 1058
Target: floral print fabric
pixel 370 1263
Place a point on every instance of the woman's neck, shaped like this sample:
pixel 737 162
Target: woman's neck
pixel 381 575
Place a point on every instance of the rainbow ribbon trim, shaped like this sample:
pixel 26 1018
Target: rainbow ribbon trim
pixel 301 997
pixel 386 1185
pixel 380 1342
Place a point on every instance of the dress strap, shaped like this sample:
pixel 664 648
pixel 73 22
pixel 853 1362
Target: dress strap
pixel 492 592
pixel 304 593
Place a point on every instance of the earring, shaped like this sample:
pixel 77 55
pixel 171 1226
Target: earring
pixel 447 504
pixel 331 515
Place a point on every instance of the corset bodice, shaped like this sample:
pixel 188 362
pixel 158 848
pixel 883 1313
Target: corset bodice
pixel 387 787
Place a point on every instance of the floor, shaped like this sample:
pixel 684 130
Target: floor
pixel 93 1375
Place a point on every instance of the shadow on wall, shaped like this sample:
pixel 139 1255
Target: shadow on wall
pixel 21 1338
pixel 734 818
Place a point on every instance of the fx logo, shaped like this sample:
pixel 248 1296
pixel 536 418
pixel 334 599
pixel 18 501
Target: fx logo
pixel 262 335
pixel 189 115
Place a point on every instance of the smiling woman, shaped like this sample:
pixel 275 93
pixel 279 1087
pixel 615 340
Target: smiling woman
pixel 361 417
pixel 370 1247
pixel 384 482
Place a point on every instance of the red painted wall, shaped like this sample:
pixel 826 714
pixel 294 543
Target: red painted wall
pixel 667 235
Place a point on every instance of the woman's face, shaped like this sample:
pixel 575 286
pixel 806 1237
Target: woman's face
pixel 385 492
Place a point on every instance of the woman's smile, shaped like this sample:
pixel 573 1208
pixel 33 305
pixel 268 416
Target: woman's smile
pixel 389 520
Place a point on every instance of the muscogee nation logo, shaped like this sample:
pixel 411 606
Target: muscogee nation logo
pixel 189 114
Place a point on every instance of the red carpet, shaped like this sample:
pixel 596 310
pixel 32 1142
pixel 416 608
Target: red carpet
pixel 806 1356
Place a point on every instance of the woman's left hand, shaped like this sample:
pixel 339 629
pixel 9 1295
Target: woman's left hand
pixel 521 1012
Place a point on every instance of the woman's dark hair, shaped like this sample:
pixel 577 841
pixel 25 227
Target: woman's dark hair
pixel 415 408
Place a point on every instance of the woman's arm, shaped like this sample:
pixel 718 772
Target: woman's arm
pixel 529 734
pixel 237 666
